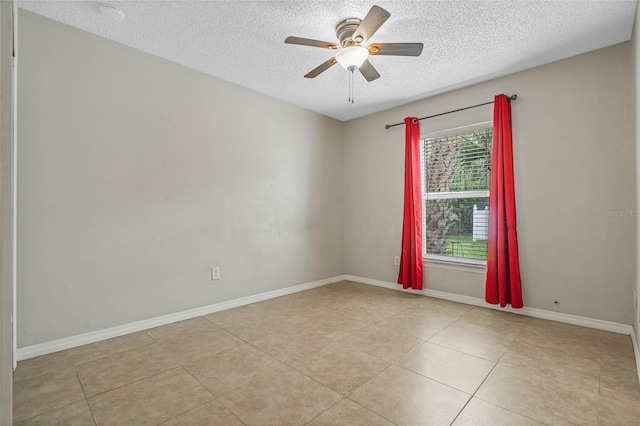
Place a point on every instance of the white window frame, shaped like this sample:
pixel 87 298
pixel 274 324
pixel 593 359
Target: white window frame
pixel 450 262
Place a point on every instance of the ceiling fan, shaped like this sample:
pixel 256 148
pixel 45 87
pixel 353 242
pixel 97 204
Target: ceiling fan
pixel 353 50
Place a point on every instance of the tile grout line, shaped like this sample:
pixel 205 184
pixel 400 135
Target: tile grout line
pixel 63 406
pixel 215 398
pixel 322 384
pixel 284 364
pixel 326 409
pixel 86 401
pixel 114 354
pixel 304 374
pixel 477 389
pixel 75 368
pixel 459 351
pixel 371 411
pixel 415 348
pixel 135 381
pixel 355 402
pixel 473 395
pixel 270 355
pixel 74 365
pixel 43 374
pixel 485 379
pixel 447 326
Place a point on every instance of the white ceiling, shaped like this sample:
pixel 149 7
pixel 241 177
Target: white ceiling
pixel 465 42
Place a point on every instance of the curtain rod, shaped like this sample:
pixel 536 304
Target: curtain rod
pixel 512 97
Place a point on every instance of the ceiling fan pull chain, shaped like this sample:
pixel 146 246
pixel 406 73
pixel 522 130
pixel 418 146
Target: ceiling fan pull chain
pixel 351 68
pixel 350 86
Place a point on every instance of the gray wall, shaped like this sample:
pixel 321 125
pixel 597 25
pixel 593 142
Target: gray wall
pixel 574 160
pixel 6 212
pixel 137 174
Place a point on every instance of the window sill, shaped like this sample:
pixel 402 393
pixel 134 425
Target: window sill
pixel 477 268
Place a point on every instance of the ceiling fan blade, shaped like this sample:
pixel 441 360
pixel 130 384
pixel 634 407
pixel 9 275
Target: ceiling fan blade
pixel 368 71
pixel 321 68
pixel 370 24
pixel 310 42
pixel 396 49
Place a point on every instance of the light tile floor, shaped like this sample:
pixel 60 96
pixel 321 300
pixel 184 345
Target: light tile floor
pixel 342 354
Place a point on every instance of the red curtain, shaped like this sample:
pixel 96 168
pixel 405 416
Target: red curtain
pixel 410 275
pixel 503 268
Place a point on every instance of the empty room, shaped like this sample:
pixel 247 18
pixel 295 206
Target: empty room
pixel 319 213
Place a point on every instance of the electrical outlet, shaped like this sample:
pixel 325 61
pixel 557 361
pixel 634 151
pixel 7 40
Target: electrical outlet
pixel 215 273
pixel 396 260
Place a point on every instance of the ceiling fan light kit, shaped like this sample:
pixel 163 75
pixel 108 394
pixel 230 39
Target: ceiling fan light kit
pixel 352 51
pixel 352 56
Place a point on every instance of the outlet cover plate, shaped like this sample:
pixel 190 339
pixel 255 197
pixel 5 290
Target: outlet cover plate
pixel 215 273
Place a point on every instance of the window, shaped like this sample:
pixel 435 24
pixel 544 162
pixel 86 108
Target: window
pixel 455 173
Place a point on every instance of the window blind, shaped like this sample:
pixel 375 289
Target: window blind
pixel 455 172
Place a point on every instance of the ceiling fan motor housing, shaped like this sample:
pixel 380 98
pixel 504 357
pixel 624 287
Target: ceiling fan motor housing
pixel 345 29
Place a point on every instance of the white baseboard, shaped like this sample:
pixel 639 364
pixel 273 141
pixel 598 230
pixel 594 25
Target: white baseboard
pixel 121 330
pixel 109 333
pixel 531 312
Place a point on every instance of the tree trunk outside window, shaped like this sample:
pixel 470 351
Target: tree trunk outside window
pixel 441 168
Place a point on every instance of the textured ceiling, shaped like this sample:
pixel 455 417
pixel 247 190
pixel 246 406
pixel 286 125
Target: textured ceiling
pixel 464 42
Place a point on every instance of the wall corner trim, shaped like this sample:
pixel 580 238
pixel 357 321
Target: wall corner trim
pixel 120 330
